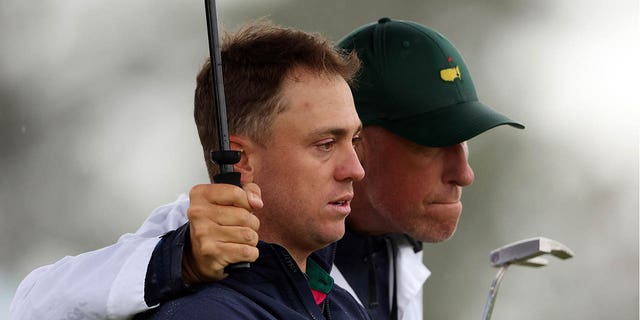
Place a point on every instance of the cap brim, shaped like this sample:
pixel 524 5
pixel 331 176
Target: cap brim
pixel 449 126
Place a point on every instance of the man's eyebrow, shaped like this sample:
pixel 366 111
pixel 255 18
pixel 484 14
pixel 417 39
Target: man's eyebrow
pixel 335 131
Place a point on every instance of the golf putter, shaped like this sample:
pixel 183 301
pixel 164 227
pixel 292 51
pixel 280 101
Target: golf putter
pixel 526 253
pixel 224 157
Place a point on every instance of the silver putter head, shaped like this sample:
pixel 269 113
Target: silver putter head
pixel 527 252
pixel 524 253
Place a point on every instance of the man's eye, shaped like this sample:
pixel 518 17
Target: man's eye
pixel 327 145
pixel 355 141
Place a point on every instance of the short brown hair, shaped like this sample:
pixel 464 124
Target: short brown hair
pixel 255 61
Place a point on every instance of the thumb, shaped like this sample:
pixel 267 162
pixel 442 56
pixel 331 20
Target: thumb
pixel 254 195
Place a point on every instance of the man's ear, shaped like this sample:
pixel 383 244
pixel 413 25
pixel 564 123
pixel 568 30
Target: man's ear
pixel 244 166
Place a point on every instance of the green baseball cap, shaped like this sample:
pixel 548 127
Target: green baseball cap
pixel 414 83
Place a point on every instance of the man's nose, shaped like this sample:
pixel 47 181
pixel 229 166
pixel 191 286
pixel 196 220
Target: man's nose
pixel 349 167
pixel 458 170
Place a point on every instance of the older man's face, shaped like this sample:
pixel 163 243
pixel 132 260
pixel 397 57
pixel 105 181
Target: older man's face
pixel 409 188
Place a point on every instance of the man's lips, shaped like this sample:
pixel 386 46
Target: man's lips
pixel 448 207
pixel 444 202
pixel 342 204
pixel 343 200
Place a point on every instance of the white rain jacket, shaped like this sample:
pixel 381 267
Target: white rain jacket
pixel 109 283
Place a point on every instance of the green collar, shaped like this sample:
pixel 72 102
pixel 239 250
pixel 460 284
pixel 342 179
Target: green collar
pixel 319 279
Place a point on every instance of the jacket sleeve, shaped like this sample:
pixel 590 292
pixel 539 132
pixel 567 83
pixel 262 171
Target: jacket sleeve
pixel 108 283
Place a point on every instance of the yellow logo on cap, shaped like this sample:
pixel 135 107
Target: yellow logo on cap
pixel 450 74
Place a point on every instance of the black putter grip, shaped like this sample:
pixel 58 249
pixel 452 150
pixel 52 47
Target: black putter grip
pixel 234 179
pixel 228 178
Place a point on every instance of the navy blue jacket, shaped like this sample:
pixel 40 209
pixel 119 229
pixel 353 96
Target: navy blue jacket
pixel 273 288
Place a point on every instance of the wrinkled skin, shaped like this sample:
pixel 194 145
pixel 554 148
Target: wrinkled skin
pixel 409 188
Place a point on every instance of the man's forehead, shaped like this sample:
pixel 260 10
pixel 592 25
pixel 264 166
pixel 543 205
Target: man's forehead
pixel 300 73
pixel 315 97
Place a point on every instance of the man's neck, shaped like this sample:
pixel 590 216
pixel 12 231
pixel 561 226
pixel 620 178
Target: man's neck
pixel 299 255
pixel 300 258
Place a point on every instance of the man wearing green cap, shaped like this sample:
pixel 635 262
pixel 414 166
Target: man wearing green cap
pixel 418 104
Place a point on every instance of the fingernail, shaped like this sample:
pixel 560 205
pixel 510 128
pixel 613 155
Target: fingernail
pixel 255 199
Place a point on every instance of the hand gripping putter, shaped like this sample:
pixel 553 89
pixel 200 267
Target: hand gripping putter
pixel 526 253
pixel 224 157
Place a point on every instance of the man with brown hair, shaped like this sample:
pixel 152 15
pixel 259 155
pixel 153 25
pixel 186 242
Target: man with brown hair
pixel 292 115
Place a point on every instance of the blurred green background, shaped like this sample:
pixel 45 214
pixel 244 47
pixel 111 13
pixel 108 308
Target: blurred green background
pixel 96 131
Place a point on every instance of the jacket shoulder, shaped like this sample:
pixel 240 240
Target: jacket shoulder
pixel 216 302
pixel 345 306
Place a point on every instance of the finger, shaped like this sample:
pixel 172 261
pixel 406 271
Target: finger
pixel 202 233
pixel 234 253
pixel 238 217
pixel 217 215
pixel 222 194
pixel 254 195
pixel 224 254
pixel 237 235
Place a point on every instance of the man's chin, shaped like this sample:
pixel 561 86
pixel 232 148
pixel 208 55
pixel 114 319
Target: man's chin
pixel 435 232
pixel 431 238
pixel 439 223
pixel 330 236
